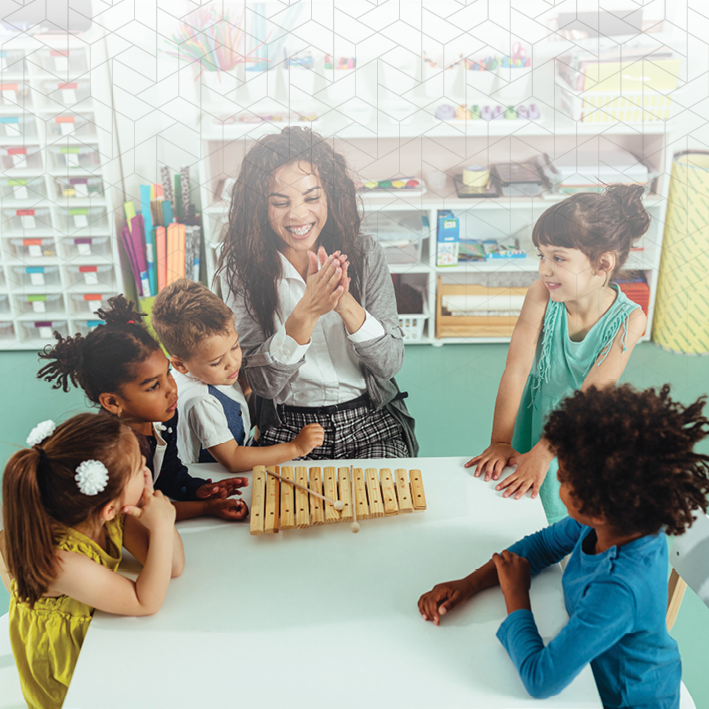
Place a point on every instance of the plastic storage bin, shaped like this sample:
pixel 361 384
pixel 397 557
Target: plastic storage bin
pixel 78 187
pixel 40 303
pixel 64 62
pixel 12 61
pixel 21 188
pixel 33 248
pixel 88 303
pixel 401 236
pixel 78 218
pixel 21 157
pixel 24 220
pixel 86 246
pixel 4 304
pixel 76 125
pixel 74 157
pixel 87 326
pixel 21 125
pixel 36 276
pixel 7 332
pixel 3 283
pixel 15 93
pixel 92 276
pixel 67 93
pixel 42 329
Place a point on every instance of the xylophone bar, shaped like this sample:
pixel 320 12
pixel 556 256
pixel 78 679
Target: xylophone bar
pixel 277 505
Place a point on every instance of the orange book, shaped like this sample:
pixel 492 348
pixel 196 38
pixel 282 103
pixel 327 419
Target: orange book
pixel 161 247
pixel 175 252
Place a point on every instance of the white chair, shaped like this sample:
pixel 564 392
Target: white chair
pixel 689 557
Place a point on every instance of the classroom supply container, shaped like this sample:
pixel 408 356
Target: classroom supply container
pixel 681 321
pixel 15 93
pixel 24 220
pixel 4 304
pixel 64 62
pixel 21 157
pixel 36 276
pixel 67 93
pixel 86 304
pixel 40 248
pixel 74 157
pixel 606 92
pixel 78 187
pixel 75 125
pixel 80 246
pixel 42 329
pixel 40 303
pixel 7 332
pixel 413 326
pixel 21 188
pixel 12 61
pixel 20 125
pixel 98 276
pixel 400 235
pixel 84 327
pixel 77 218
pixel 2 278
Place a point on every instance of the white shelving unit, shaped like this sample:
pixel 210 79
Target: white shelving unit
pixel 59 258
pixel 378 146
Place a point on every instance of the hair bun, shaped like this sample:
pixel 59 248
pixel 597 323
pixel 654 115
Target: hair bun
pixel 630 202
pixel 120 312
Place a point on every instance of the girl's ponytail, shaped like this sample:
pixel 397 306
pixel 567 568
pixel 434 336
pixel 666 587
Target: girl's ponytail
pixel 66 360
pixel 29 532
pixel 121 311
pixel 40 492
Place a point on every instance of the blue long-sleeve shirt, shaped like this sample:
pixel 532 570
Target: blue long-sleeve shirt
pixel 616 603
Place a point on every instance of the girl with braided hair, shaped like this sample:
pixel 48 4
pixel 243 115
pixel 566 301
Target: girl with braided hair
pixel 314 302
pixel 576 329
pixel 122 369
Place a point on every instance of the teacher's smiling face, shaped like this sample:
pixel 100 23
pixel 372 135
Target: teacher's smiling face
pixel 297 209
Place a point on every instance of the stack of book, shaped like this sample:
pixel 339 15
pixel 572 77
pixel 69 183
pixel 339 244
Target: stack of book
pixel 578 171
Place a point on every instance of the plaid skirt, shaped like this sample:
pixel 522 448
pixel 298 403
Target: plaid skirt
pixel 355 433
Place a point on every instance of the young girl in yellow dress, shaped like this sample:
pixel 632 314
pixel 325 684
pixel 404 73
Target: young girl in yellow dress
pixel 71 501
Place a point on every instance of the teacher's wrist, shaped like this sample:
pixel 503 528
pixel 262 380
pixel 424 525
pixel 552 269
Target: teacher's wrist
pixel 300 325
pixel 352 313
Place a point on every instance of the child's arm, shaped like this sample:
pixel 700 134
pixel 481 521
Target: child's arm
pixel 136 539
pixel 520 358
pixel 93 584
pixel 541 549
pixel 604 615
pixel 236 458
pixel 611 364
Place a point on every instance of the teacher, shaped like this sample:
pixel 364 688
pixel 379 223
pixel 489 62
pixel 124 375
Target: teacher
pixel 314 303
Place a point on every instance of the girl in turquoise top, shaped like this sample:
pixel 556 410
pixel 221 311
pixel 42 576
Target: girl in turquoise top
pixel 576 329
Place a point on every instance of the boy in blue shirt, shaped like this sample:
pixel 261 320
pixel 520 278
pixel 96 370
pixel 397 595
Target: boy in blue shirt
pixel 628 474
pixel 197 329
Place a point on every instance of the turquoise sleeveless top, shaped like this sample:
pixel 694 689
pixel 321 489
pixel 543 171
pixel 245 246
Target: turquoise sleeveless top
pixel 560 367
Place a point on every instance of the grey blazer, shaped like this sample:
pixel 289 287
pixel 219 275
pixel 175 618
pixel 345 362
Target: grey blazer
pixel 380 359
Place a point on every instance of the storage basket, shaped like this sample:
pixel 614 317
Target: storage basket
pixel 42 329
pixel 31 188
pixel 37 276
pixel 88 303
pixel 76 125
pixel 7 332
pixel 40 248
pixel 87 326
pixel 40 303
pixel 21 125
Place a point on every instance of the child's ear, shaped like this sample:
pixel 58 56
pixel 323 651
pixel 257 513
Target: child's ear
pixel 606 262
pixel 110 510
pixel 178 364
pixel 111 403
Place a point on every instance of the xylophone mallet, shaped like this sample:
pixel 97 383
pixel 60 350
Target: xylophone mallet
pixel 355 525
pixel 337 504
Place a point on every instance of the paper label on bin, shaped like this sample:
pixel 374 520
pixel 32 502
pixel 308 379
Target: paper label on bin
pixel 84 249
pixel 72 159
pixel 69 193
pixel 12 129
pixel 27 220
pixel 61 63
pixel 45 332
pixel 68 96
pixel 35 250
pixel 66 128
pixel 80 221
pixel 39 306
pixel 21 192
pixel 82 189
pixel 9 95
pixel 18 159
pixel 37 279
pixel 91 278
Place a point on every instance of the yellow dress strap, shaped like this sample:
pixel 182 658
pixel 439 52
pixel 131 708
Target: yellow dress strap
pixel 69 539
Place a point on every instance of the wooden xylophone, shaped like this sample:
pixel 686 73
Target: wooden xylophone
pixel 378 493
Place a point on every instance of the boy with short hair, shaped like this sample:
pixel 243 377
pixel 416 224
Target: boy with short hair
pixel 198 331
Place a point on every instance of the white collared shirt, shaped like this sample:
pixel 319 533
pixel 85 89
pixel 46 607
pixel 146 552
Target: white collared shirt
pixel 331 372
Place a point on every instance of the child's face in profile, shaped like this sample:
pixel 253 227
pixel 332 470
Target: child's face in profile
pixel 568 273
pixel 133 491
pixel 217 361
pixel 572 503
pixel 297 207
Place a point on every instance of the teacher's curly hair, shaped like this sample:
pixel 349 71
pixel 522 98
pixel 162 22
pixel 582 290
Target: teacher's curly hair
pixel 249 254
pixel 629 456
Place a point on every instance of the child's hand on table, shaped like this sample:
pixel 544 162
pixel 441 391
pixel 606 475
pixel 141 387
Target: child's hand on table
pixel 515 580
pixel 310 436
pixel 230 509
pixel 221 489
pixel 532 468
pixel 444 597
pixel 492 460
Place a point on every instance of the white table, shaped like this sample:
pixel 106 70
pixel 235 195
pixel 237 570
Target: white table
pixel 322 617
